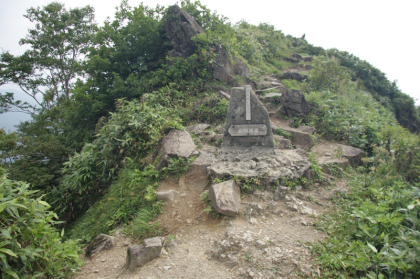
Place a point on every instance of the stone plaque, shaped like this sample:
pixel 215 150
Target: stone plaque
pixel 247 102
pixel 248 130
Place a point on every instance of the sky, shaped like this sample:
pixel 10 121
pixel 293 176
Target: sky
pixel 384 33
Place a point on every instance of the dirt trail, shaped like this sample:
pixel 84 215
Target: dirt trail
pixel 266 244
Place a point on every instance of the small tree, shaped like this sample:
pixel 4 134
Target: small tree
pixel 47 70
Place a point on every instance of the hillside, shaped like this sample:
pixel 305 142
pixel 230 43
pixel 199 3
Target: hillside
pixel 337 197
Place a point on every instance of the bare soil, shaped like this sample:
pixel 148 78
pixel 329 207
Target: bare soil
pixel 197 250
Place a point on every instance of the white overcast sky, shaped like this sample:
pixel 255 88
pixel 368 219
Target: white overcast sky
pixel 385 33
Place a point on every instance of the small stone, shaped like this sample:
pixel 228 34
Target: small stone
pixel 96 271
pixel 260 244
pixel 298 188
pixel 167 267
pixel 253 221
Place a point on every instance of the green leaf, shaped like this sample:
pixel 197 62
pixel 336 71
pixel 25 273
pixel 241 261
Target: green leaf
pixel 372 247
pixel 8 251
pixel 6 233
pixel 12 273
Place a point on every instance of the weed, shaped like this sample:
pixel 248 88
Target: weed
pixel 283 133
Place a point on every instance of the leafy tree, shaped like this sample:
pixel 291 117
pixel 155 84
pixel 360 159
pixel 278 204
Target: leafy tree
pixel 47 70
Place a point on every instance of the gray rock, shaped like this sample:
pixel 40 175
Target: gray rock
pixel 139 255
pixel 236 116
pixel 307 129
pixel 308 58
pixel 101 242
pixel 295 76
pixel 195 178
pixel 198 129
pixel 221 67
pixel 294 104
pixel 165 195
pixel 282 143
pixel 181 28
pixel 211 136
pixel 260 244
pixel 241 69
pixel 299 139
pixel 281 192
pixel 353 154
pixel 176 144
pixel 226 198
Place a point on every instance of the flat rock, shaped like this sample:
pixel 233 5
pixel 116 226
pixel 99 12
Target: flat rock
pixel 307 129
pixel 282 143
pixel 101 242
pixel 196 177
pixel 226 198
pixel 165 195
pixel 198 128
pixel 246 164
pixel 176 144
pixel 299 139
pixel 139 255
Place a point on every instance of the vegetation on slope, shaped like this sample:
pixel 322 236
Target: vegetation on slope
pixel 104 130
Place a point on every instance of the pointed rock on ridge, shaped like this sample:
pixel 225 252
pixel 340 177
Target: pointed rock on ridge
pixel 181 27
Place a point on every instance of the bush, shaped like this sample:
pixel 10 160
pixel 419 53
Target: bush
pixel 29 244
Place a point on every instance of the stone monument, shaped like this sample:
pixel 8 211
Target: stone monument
pixel 247 123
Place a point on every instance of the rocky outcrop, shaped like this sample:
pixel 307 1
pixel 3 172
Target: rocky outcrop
pixel 221 66
pixel 101 242
pixel 294 104
pixel 226 198
pixel 176 144
pixel 181 27
pixel 139 255
pixel 195 178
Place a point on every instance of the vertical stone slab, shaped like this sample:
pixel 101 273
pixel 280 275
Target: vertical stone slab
pixel 247 123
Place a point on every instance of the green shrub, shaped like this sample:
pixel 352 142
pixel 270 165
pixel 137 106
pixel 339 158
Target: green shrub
pixel 29 245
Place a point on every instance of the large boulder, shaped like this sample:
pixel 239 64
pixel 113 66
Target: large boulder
pixel 221 66
pixel 176 144
pixel 181 27
pixel 226 198
pixel 139 255
pixel 294 104
pixel 196 177
pixel 353 154
pixel 101 242
pixel 241 69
